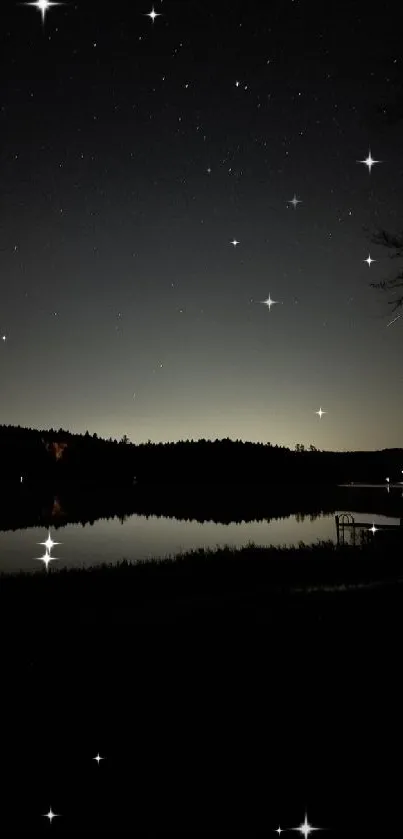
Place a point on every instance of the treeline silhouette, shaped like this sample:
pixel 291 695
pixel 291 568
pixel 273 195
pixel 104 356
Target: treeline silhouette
pixel 38 506
pixel 60 457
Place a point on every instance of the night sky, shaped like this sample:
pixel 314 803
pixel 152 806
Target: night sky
pixel 134 152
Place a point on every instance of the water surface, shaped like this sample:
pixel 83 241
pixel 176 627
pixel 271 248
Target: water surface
pixel 140 538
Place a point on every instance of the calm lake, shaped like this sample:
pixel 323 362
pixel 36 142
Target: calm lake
pixel 140 538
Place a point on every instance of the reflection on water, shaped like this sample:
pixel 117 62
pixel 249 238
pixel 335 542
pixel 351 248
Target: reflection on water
pixel 139 538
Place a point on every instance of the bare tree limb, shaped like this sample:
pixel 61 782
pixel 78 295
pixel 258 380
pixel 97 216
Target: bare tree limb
pixel 394 242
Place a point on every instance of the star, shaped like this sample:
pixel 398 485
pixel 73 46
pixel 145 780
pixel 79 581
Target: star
pixel 320 412
pixel 49 543
pixel 373 529
pixel 369 161
pixel 50 815
pixel 269 302
pixel 98 758
pixel 234 243
pixel 153 14
pixel 305 829
pixel 237 84
pixel 295 201
pixel 43 6
pixel 4 337
pixel 46 559
pixel 369 260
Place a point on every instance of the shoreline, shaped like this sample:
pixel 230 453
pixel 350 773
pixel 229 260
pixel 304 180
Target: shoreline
pixel 201 585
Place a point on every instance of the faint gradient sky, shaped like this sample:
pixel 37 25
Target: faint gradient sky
pixel 131 158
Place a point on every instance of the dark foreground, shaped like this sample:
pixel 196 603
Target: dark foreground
pixel 228 692
pixel 228 587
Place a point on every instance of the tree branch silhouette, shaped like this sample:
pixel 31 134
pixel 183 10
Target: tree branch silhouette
pixel 393 242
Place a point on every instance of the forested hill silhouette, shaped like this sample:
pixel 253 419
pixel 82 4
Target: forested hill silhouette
pixel 59 457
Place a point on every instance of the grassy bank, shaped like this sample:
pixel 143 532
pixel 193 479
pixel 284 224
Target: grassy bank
pixel 252 584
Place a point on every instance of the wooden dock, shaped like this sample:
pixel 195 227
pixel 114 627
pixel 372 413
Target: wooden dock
pixel 347 520
pixel 396 485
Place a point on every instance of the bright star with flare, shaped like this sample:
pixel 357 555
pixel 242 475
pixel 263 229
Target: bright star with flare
pixel 369 161
pixel 50 815
pixel 46 559
pixel 43 6
pixel 234 242
pixel 49 543
pixel 320 413
pixel 305 828
pixel 369 260
pixel 98 758
pixel 295 201
pixel 269 302
pixel 373 529
pixel 153 14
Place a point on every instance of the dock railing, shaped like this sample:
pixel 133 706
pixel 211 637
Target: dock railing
pixel 346 520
